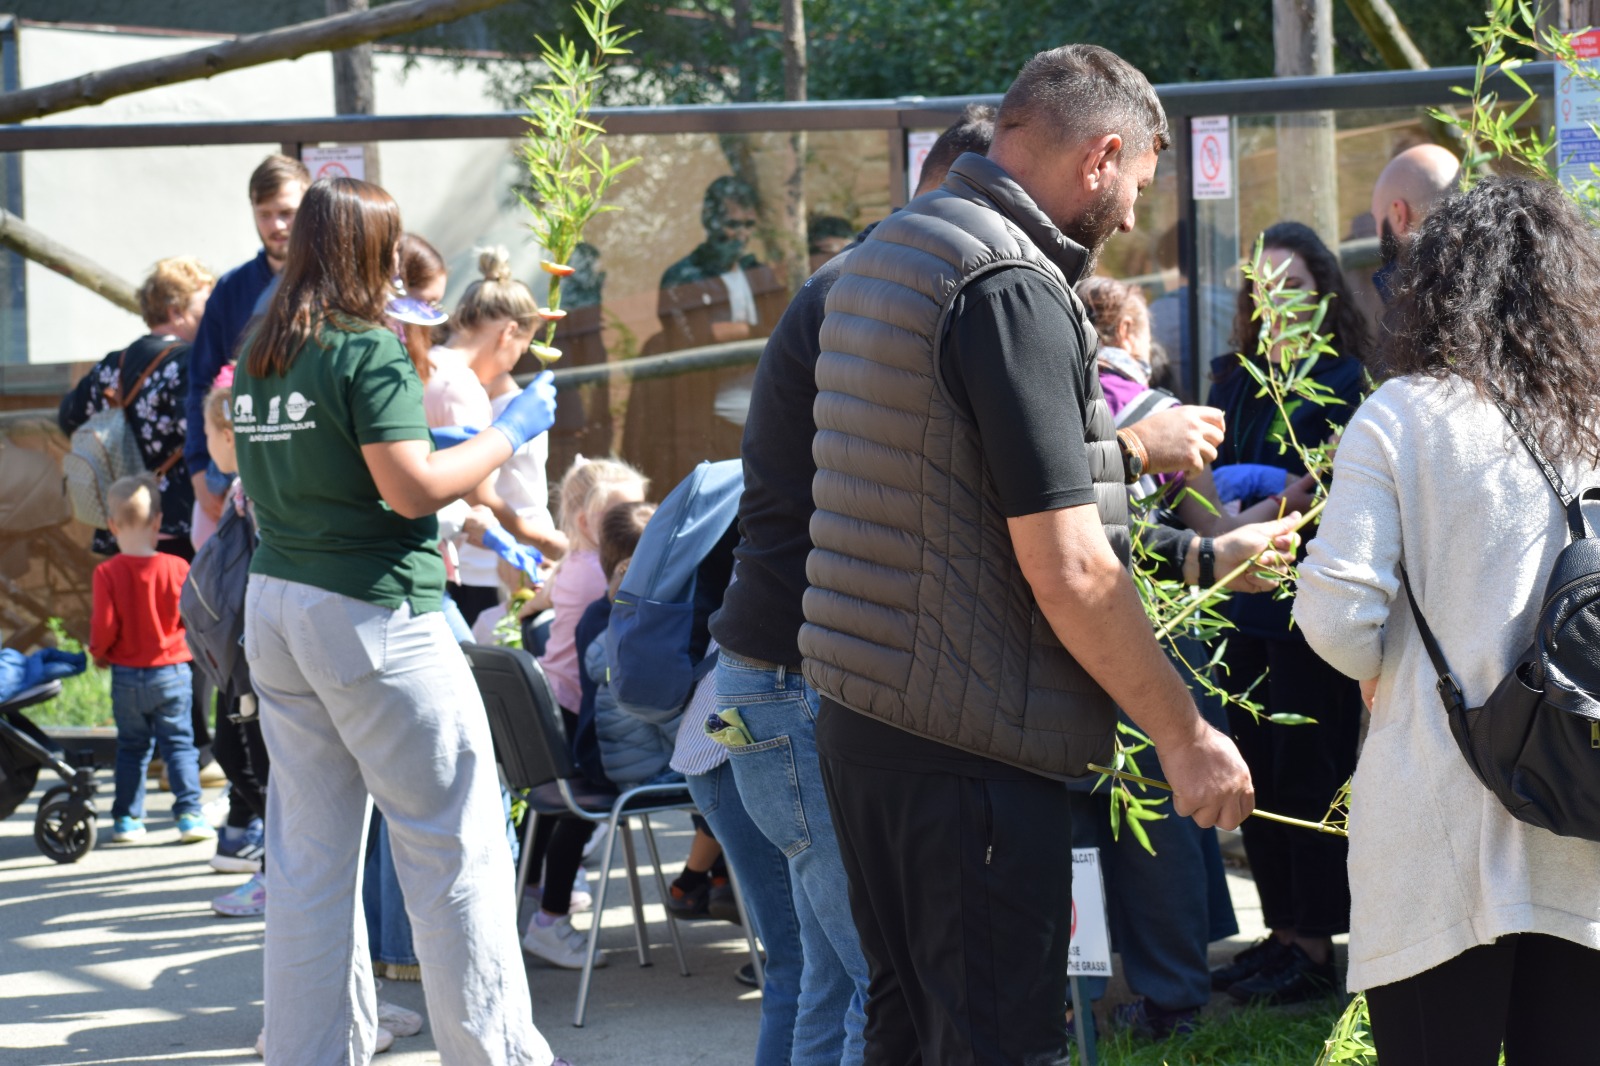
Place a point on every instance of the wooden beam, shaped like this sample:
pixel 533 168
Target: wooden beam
pixel 1388 34
pixel 289 42
pixel 29 242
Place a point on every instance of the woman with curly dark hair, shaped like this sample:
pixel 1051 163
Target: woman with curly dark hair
pixel 1469 929
pixel 1305 897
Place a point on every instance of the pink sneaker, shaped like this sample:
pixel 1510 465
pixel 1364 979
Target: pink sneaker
pixel 249 900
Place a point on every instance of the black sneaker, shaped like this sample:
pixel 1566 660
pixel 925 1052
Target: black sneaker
pixel 1145 1019
pixel 689 904
pixel 1296 981
pixel 1268 953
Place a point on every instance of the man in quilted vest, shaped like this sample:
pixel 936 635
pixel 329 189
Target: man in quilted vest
pixel 970 624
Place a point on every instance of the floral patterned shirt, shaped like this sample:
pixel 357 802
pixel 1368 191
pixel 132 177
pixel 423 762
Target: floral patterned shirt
pixel 157 416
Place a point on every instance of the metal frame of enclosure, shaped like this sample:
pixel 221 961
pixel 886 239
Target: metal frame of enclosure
pixel 1396 89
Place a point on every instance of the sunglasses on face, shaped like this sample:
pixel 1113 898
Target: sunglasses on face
pixel 740 223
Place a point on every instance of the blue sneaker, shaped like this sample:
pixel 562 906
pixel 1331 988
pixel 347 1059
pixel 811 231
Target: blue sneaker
pixel 127 828
pixel 240 851
pixel 193 828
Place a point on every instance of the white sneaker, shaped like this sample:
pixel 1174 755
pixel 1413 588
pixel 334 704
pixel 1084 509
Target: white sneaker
pixel 398 1020
pixel 384 1042
pixel 558 944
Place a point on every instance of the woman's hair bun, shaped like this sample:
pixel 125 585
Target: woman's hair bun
pixel 494 263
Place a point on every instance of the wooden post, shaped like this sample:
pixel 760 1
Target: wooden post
pixel 797 260
pixel 1308 165
pixel 30 243
pixel 352 83
pixel 290 42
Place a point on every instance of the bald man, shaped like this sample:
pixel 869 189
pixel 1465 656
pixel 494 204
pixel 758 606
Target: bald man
pixel 1402 197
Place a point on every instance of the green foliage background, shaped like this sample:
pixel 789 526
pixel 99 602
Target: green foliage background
pixel 696 50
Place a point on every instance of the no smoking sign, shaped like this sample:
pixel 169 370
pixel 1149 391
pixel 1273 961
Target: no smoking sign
pixel 1213 157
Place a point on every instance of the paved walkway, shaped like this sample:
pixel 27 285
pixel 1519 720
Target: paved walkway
pixel 118 959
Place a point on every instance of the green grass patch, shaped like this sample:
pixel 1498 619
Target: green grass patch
pixel 1245 1036
pixel 85 698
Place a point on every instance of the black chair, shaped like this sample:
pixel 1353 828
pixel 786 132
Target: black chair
pixel 530 741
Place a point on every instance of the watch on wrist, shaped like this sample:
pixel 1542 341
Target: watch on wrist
pixel 1208 562
pixel 1135 460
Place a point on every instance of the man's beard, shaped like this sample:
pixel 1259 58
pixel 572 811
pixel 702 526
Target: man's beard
pixel 1388 243
pixel 1094 227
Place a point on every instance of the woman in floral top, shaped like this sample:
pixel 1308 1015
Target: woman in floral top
pixel 172 300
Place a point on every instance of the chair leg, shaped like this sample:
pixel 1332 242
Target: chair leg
pixel 526 859
pixel 641 935
pixel 594 927
pixel 749 930
pixel 661 886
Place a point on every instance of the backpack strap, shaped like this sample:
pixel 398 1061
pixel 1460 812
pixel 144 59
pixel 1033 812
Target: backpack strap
pixel 1448 687
pixel 1577 527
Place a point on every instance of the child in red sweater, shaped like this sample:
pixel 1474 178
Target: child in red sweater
pixel 135 629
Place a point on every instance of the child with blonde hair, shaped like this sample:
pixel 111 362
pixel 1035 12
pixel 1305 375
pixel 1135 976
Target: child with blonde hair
pixel 587 490
pixel 136 630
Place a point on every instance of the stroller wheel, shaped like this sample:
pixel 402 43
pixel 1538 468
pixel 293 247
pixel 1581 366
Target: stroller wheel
pixel 64 829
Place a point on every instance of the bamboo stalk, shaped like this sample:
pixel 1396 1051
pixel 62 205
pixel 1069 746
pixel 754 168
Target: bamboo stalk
pixel 289 42
pixel 1206 596
pixel 1283 819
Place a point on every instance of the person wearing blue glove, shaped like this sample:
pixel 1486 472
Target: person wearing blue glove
pixel 449 436
pixel 362 687
pixel 528 560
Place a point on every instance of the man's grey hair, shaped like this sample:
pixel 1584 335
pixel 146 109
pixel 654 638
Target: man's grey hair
pixel 1077 92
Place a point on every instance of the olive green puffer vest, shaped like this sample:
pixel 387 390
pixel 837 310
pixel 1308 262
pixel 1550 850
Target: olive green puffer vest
pixel 918 614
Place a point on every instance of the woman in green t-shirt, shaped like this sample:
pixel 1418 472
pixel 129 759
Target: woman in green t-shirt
pixel 362 688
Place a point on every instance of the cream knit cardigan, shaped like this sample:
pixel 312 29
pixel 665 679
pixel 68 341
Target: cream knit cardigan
pixel 1429 475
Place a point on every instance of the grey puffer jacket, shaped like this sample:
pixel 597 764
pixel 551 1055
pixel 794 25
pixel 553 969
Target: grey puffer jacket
pixel 918 613
pixel 632 750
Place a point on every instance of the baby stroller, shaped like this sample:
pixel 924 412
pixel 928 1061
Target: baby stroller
pixel 64 828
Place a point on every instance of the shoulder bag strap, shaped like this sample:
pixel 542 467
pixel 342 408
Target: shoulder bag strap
pixel 130 395
pixel 1449 689
pixel 1577 527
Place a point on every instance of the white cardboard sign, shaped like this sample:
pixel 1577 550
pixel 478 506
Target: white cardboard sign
pixel 1213 157
pixel 1577 109
pixel 918 145
pixel 335 161
pixel 1090 952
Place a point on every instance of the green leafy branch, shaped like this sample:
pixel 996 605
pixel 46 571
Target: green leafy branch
pixel 570 169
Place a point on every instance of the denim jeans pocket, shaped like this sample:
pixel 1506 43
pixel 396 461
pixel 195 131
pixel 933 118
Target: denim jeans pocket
pixel 769 785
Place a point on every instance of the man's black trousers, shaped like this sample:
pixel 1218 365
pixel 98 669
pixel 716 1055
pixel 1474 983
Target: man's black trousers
pixel 961 889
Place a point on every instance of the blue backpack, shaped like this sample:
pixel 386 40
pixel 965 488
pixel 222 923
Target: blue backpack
pixel 656 641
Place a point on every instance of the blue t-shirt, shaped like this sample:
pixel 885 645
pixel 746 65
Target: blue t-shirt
pixel 216 344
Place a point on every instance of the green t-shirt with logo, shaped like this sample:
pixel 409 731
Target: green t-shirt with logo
pixel 299 438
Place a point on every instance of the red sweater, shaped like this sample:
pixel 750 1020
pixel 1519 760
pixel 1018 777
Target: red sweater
pixel 135 620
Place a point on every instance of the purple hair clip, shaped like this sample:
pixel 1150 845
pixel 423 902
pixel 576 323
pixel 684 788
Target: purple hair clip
pixel 415 312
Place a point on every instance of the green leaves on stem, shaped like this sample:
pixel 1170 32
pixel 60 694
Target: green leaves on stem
pixel 570 170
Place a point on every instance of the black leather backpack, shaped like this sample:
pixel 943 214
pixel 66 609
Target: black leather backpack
pixel 1536 742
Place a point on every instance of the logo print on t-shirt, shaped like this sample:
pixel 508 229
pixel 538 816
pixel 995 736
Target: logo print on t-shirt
pixel 298 405
pixel 272 410
pixel 244 409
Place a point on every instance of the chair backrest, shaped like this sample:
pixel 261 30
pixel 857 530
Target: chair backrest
pixel 530 739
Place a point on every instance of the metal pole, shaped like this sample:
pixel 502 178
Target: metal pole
pixel 1083 1024
pixel 1189 266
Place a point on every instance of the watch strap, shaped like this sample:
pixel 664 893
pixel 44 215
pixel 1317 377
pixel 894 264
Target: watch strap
pixel 1208 562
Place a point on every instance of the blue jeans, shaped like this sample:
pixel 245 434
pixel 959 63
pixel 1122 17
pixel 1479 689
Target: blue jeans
pixel 1166 908
pixel 763 875
pixel 153 707
pixel 780 781
pixel 388 928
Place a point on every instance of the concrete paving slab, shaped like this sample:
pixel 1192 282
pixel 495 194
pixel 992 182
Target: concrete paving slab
pixel 119 960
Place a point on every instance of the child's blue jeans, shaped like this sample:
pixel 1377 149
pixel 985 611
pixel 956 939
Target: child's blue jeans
pixel 152 706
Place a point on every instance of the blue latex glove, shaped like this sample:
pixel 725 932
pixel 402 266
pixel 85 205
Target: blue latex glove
pixel 530 413
pixel 449 436
pixel 528 560
pixel 1248 481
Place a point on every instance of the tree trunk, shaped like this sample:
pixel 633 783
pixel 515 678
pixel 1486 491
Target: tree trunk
pixel 1308 172
pixel 797 261
pixel 32 244
pixel 290 42
pixel 352 83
